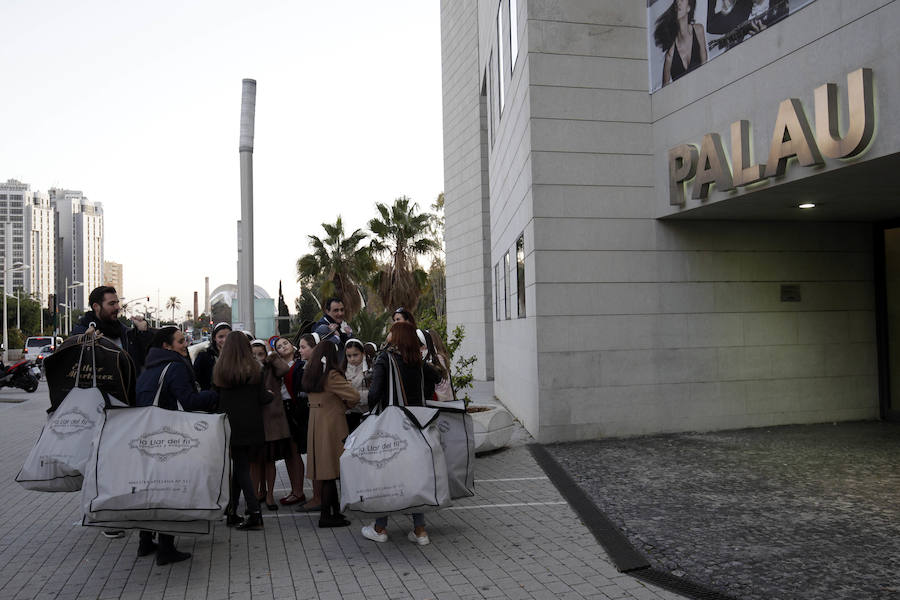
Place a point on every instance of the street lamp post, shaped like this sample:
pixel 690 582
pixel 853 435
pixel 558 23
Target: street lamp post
pixel 15 268
pixel 74 285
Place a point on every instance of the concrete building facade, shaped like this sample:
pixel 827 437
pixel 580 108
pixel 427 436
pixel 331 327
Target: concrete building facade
pixel 616 266
pixel 112 275
pixel 32 240
pixel 79 245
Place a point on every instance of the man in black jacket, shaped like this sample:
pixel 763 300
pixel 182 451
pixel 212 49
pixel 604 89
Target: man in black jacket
pixel 332 326
pixel 104 313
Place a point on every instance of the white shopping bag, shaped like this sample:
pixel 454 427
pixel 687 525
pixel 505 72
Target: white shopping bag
pixel 198 527
pixel 394 460
pixel 57 461
pixel 458 441
pixel 153 464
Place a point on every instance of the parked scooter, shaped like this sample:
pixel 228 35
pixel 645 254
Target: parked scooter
pixel 20 375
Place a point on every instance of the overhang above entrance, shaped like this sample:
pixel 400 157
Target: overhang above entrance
pixel 866 191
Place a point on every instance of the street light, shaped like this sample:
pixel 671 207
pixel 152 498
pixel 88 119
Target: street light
pixel 13 269
pixel 74 285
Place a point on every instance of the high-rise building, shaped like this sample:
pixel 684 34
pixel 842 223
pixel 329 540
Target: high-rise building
pixel 13 198
pixel 112 276
pixel 79 239
pixel 32 239
pixel 40 249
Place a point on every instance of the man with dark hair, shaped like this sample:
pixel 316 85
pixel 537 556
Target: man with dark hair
pixel 332 326
pixel 104 313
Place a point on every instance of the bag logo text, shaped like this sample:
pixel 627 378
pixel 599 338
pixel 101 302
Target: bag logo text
pixel 70 423
pixel 380 449
pixel 164 443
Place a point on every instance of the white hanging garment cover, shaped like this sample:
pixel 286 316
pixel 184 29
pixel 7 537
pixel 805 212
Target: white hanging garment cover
pixel 57 461
pixel 458 441
pixel 153 464
pixel 394 461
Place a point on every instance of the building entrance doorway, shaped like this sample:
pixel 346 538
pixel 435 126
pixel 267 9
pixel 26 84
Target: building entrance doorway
pixel 887 277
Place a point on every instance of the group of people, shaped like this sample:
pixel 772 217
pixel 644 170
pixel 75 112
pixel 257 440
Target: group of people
pixel 281 401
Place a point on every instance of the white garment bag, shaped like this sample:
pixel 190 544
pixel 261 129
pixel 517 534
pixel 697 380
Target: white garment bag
pixel 458 441
pixel 394 460
pixel 58 459
pixel 151 464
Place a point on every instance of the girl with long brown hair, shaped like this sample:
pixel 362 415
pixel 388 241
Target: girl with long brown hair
pixel 237 377
pixel 418 378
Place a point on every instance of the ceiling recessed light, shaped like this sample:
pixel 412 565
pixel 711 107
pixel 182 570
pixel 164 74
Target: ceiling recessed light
pixel 807 205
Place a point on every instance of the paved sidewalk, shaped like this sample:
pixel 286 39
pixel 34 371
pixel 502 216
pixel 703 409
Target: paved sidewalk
pixel 515 539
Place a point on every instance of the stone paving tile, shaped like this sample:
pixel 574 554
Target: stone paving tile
pixel 515 539
pixel 796 512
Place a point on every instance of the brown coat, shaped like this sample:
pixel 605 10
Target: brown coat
pixel 274 419
pixel 328 426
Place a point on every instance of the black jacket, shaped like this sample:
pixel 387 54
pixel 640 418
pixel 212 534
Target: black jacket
pixel 203 366
pixel 410 375
pixel 243 405
pixel 179 383
pixel 134 341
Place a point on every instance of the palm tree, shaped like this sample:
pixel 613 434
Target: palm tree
pixel 401 235
pixel 173 303
pixel 337 266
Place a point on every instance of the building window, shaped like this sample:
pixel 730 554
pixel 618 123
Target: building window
pixel 500 72
pixel 491 99
pixel 506 312
pixel 497 292
pixel 513 34
pixel 520 275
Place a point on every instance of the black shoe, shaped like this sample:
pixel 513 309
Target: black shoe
pixel 336 521
pixel 254 523
pixel 272 507
pixel 170 556
pixel 232 520
pixel 146 546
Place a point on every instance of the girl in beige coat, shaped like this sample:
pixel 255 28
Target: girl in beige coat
pixel 330 395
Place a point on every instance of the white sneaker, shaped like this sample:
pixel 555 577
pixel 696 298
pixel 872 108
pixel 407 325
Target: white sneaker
pixel 369 533
pixel 113 534
pixel 421 540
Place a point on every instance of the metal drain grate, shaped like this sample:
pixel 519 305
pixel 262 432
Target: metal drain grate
pixel 624 555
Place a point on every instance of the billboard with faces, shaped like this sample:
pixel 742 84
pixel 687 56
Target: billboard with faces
pixel 685 34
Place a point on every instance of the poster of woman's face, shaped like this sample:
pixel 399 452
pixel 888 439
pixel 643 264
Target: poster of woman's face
pixel 684 34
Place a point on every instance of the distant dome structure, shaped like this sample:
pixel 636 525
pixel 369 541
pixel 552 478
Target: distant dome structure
pixel 227 292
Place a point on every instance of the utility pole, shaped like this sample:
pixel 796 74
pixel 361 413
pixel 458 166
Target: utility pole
pixel 245 236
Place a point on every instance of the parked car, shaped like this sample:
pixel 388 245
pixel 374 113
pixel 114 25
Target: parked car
pixel 39 361
pixel 34 346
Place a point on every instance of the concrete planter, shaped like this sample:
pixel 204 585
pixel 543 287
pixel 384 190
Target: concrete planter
pixel 493 426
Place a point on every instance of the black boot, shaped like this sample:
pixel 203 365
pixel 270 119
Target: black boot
pixel 231 516
pixel 166 553
pixel 330 515
pixel 146 546
pixel 254 522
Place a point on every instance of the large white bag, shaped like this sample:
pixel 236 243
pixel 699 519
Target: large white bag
pixel 458 441
pixel 57 461
pixel 394 461
pixel 153 464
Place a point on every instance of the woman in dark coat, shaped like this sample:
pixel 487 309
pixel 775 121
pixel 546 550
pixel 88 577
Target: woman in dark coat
pixel 242 392
pixel 206 360
pixel 330 395
pixel 297 409
pixel 168 352
pixel 419 379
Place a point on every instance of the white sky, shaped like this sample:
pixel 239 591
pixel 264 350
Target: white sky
pixel 138 106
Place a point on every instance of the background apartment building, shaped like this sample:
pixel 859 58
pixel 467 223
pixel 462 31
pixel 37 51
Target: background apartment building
pixel 32 239
pixel 625 241
pixel 112 276
pixel 79 244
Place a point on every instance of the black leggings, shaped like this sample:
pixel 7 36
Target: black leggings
pixel 240 479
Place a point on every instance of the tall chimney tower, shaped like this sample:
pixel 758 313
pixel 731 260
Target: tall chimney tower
pixel 245 239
